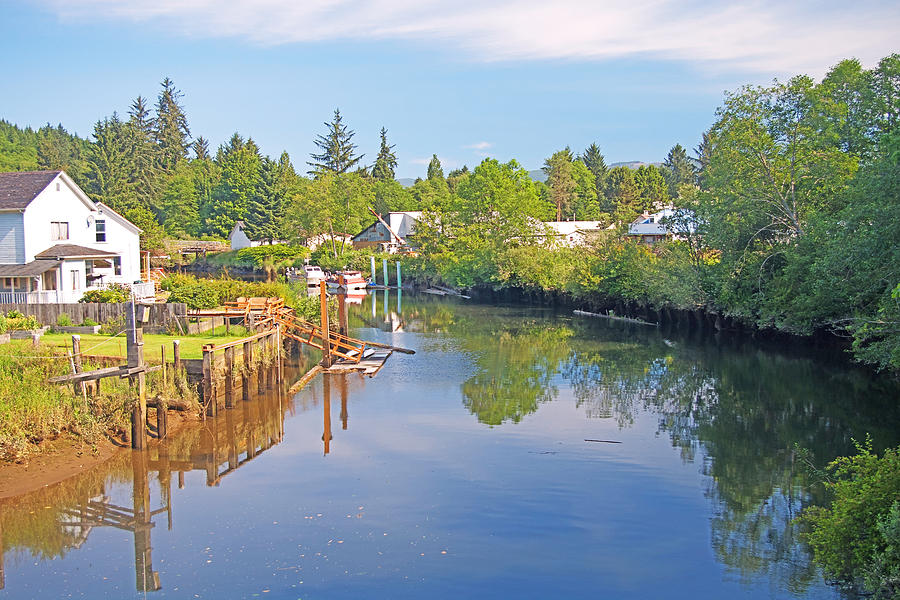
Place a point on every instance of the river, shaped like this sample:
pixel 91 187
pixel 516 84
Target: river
pixel 521 452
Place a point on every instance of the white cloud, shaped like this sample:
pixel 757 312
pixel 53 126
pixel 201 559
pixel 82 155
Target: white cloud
pixel 761 35
pixel 479 146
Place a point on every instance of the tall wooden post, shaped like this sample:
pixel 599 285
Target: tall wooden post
pixel 372 262
pixel 229 377
pixel 261 371
pixel 279 345
pixel 76 362
pixel 209 382
pixel 245 379
pixel 398 274
pixel 176 357
pixel 343 327
pixel 384 271
pixel 135 354
pixel 326 336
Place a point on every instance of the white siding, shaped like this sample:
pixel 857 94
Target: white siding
pixel 12 238
pixel 57 206
pixel 123 240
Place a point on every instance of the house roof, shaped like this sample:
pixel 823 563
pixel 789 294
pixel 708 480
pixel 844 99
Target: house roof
pixel 17 190
pixel 60 251
pixel 32 269
pixel 106 210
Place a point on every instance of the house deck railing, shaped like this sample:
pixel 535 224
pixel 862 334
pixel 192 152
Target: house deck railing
pixel 142 291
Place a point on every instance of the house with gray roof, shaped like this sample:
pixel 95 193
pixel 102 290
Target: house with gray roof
pixel 656 227
pixel 56 243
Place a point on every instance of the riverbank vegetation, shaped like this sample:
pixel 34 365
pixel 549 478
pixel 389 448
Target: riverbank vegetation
pixel 788 209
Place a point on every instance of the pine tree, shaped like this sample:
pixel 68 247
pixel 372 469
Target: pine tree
pixel 595 162
pixel 386 161
pixel 145 170
pixel 201 148
pixel 266 208
pixel 338 150
pixel 560 181
pixel 240 163
pixel 678 169
pixel 435 170
pixel 171 131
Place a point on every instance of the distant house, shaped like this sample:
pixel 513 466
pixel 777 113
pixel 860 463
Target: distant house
pixel 402 227
pixel 573 233
pixel 340 239
pixel 653 228
pixel 55 242
pixel 238 238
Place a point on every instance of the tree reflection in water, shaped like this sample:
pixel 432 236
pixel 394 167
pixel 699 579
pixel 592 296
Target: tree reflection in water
pixel 738 410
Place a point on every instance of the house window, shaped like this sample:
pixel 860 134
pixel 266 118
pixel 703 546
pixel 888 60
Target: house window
pixel 8 283
pixel 117 265
pixel 59 230
pixel 100 225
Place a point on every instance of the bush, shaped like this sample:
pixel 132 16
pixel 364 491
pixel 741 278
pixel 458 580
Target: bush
pixel 64 320
pixel 115 293
pixel 89 323
pixel 196 295
pixel 113 326
pixel 16 321
pixel 854 539
pixel 259 256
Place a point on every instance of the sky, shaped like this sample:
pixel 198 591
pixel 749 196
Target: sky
pixel 509 79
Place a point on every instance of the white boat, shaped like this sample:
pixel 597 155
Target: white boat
pixel 348 281
pixel 312 274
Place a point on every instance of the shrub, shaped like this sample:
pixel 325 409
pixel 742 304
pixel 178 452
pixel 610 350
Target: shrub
pixel 113 326
pixel 851 539
pixel 196 295
pixel 16 321
pixel 89 322
pixel 115 293
pixel 64 320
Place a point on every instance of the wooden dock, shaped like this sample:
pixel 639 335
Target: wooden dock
pixel 369 364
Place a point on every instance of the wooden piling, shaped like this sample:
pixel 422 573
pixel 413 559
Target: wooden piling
pixel 229 377
pixel 343 327
pixel 209 392
pixel 135 353
pixel 162 420
pixel 76 362
pixel 176 356
pixel 260 372
pixel 162 360
pixel 245 378
pixel 326 336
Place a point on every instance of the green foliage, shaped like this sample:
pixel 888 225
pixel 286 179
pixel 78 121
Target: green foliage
pixel 386 161
pixel 114 293
pixel 338 152
pixel 64 320
pixel 849 538
pixel 89 322
pixel 259 256
pixel 208 293
pixel 112 326
pixel 17 321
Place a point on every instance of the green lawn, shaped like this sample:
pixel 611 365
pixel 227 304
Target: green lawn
pixel 101 345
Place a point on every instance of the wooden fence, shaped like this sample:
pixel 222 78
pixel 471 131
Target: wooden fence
pixel 163 317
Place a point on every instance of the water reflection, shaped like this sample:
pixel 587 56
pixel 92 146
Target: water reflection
pixel 729 411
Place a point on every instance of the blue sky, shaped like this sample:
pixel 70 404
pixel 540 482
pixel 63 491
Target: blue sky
pixel 508 79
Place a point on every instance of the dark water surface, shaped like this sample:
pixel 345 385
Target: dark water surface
pixel 465 471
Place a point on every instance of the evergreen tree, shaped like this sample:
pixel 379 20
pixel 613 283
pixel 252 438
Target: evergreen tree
pixel 560 181
pixel 651 187
pixel 170 130
pixel 145 161
pixel 338 151
pixel 266 208
pixel 595 162
pixel 386 162
pixel 57 149
pixel 678 169
pixel 240 165
pixel 110 164
pixel 623 193
pixel 201 148
pixel 435 170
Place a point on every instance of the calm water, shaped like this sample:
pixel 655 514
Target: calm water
pixel 468 471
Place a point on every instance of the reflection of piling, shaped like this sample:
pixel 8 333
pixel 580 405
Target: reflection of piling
pixel 343 387
pixel 326 338
pixel 326 409
pixel 146 579
pixel 2 572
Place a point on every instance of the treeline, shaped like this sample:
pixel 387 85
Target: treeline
pixel 788 210
pixel 148 165
pixel 790 221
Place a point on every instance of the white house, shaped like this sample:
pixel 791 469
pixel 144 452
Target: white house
pixel 55 242
pixel 238 238
pixel 653 228
pixel 402 225
pixel 573 233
